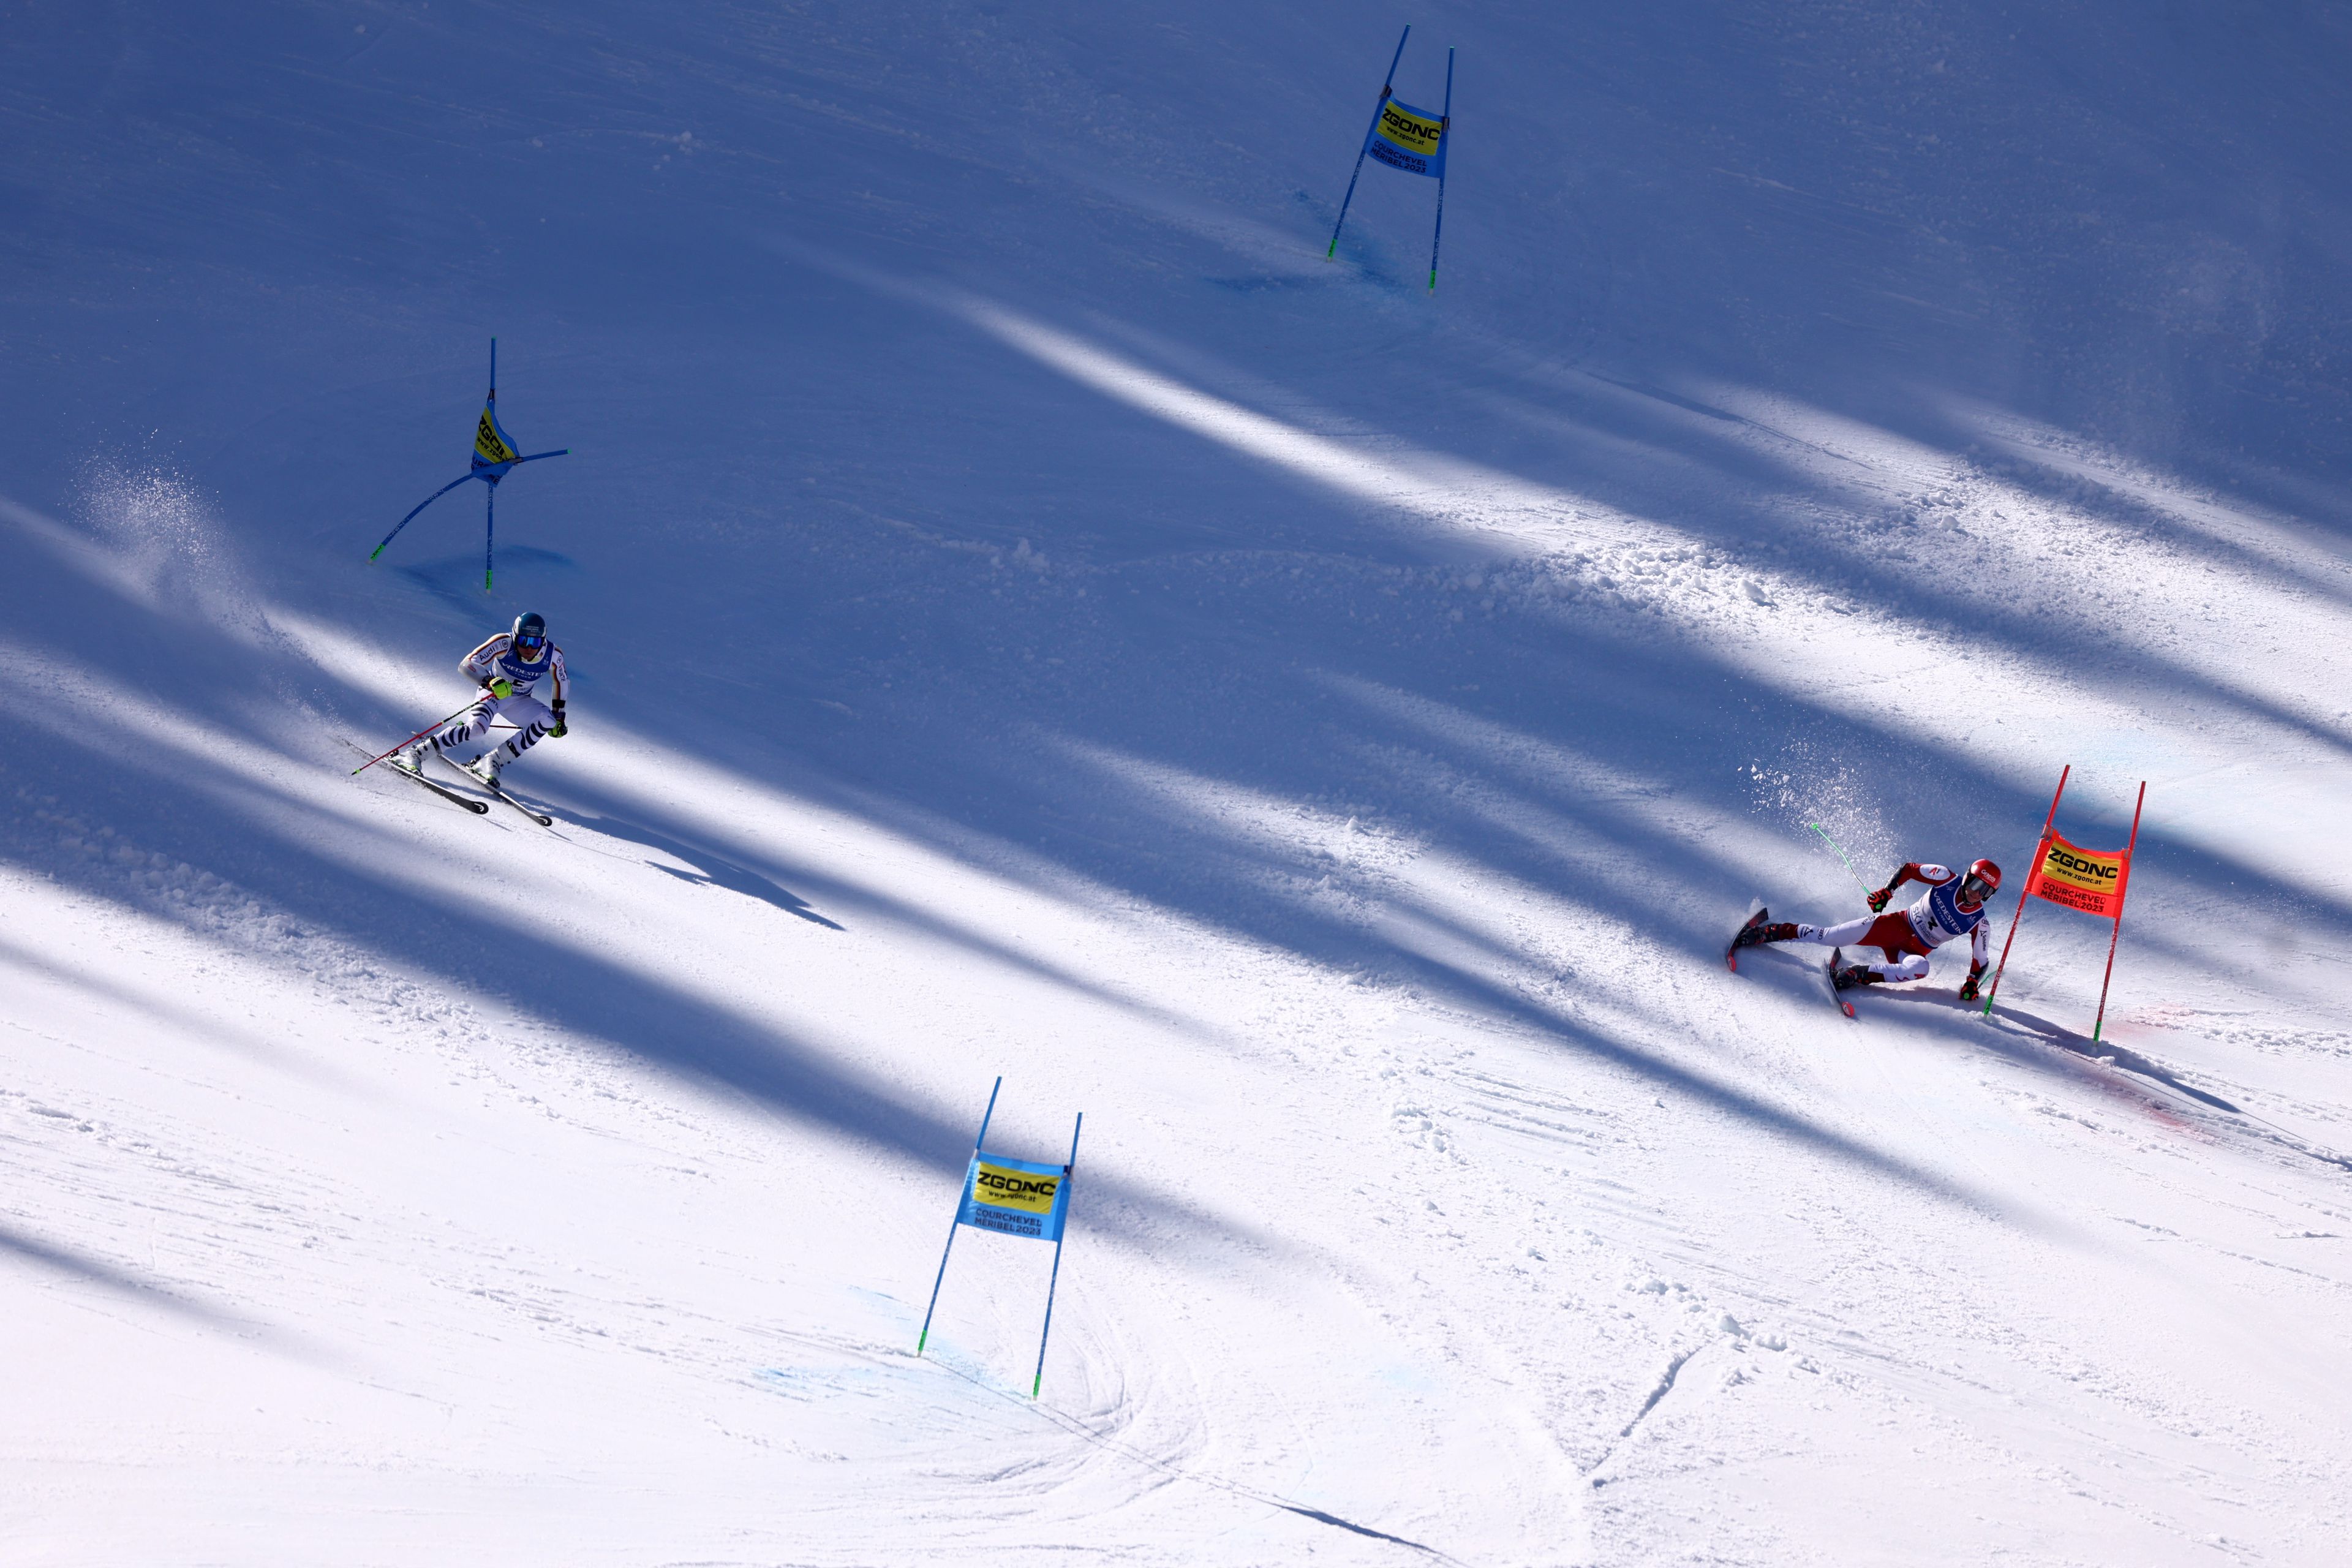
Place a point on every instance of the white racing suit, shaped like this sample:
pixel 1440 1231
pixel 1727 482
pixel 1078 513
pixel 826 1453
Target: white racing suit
pixel 496 660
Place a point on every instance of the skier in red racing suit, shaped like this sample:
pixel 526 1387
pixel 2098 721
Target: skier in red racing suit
pixel 1953 906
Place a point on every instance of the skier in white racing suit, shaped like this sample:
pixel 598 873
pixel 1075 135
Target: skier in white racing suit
pixel 507 666
pixel 1954 906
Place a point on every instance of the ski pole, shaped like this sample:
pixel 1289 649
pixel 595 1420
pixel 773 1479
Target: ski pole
pixel 412 739
pixel 1849 865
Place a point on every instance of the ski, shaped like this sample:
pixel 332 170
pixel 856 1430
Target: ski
pixel 478 782
pixel 539 816
pixel 1829 973
pixel 479 808
pixel 1732 954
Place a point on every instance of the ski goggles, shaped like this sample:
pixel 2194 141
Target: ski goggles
pixel 1975 890
pixel 531 647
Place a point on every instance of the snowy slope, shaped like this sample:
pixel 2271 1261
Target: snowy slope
pixel 1034 616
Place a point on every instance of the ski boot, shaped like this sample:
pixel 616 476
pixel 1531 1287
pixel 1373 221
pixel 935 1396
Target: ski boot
pixel 413 757
pixel 486 768
pixel 1854 974
pixel 1754 931
pixel 1758 929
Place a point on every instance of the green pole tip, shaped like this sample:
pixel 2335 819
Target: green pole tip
pixel 925 1340
pixel 1037 1385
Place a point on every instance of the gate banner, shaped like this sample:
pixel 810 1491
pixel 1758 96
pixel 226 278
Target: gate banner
pixel 1409 139
pixel 1015 1197
pixel 491 447
pixel 2073 877
pixel 1012 1198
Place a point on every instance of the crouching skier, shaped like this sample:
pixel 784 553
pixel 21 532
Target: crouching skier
pixel 506 666
pixel 1953 906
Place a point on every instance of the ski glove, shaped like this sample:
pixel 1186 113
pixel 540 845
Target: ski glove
pixel 1878 900
pixel 557 729
pixel 501 687
pixel 1968 986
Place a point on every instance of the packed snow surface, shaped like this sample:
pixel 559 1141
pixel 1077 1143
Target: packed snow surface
pixel 1033 615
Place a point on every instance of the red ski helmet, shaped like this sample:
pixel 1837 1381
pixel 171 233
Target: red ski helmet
pixel 1983 880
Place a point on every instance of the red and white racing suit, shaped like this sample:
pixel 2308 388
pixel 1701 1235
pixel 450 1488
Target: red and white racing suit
pixel 1908 936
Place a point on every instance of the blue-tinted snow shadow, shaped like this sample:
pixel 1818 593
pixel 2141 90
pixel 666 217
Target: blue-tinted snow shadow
pixel 188 805
pixel 1633 217
pixel 130 1286
pixel 1220 663
pixel 456 580
pixel 710 870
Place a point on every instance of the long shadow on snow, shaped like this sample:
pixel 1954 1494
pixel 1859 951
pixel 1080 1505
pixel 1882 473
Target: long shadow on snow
pixel 1150 851
pixel 621 819
pixel 1243 707
pixel 1647 470
pixel 2149 678
pixel 473 945
pixel 133 1287
pixel 215 819
pixel 105 991
pixel 1250 707
pixel 1717 483
pixel 2042 1031
pixel 1254 710
pixel 663 1023
pixel 716 871
pixel 1721 487
pixel 1656 699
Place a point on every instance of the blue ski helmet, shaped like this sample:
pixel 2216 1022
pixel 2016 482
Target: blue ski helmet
pixel 530 635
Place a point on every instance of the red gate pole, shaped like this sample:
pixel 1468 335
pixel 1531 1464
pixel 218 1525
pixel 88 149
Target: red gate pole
pixel 2039 846
pixel 2101 1020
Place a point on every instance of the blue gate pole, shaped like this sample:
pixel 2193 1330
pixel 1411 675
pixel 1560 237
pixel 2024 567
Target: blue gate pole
pixel 1386 88
pixel 491 510
pixel 958 1219
pixel 1445 129
pixel 420 506
pixel 1039 1381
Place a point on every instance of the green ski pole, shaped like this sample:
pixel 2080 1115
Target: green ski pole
pixel 1849 871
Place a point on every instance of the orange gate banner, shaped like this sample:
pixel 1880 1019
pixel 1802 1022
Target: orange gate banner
pixel 2091 881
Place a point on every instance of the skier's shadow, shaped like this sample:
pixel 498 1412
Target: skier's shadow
pixel 714 871
pixel 2046 1032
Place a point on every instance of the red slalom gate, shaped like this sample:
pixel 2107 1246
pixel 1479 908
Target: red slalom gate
pixel 2093 881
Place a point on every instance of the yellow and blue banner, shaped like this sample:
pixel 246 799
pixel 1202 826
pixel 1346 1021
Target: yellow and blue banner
pixel 1010 1197
pixel 1409 139
pixel 1015 1197
pixel 491 447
